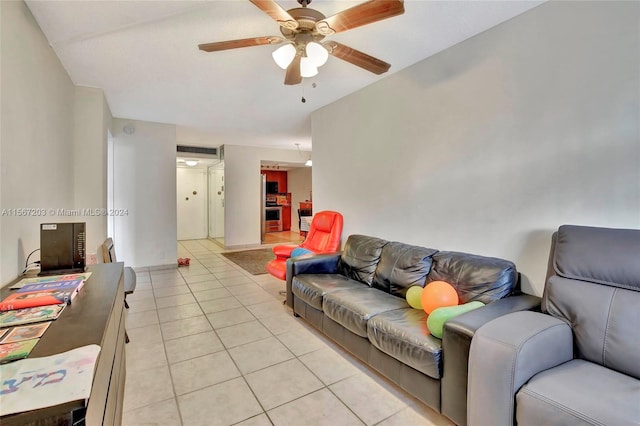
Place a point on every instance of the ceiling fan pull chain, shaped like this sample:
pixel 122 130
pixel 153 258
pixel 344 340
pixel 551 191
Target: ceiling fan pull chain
pixel 303 100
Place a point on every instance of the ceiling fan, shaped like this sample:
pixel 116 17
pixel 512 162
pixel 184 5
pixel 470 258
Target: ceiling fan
pixel 304 28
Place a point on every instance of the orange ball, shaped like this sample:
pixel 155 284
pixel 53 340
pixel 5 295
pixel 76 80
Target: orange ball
pixel 438 294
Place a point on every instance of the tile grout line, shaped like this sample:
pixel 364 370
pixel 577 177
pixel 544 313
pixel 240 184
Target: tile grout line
pixel 297 358
pixel 164 348
pixel 271 335
pixel 243 375
pixel 226 350
pixel 244 379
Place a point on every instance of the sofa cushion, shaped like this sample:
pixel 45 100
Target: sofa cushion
pixel 403 334
pixel 579 392
pixel 353 307
pixel 360 257
pixel 402 266
pixel 312 287
pixel 474 277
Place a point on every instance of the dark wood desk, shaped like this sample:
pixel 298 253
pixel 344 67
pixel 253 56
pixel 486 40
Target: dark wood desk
pixel 96 316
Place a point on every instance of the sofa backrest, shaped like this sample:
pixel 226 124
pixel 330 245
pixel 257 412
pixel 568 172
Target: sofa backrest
pixel 595 288
pixel 475 278
pixel 360 257
pixel 393 267
pixel 325 233
pixel 402 266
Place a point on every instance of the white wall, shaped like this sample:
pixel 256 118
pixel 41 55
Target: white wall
pixel 92 118
pixel 53 154
pixel 492 144
pixel 145 188
pixel 299 185
pixel 242 189
pixel 36 139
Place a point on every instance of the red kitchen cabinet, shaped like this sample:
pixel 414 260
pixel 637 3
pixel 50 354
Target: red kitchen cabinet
pixel 286 218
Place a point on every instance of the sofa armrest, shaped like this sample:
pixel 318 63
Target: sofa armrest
pixel 456 341
pixel 283 251
pixel 310 264
pixel 505 354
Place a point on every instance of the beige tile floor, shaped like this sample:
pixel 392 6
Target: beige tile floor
pixel 282 237
pixel 286 237
pixel 214 345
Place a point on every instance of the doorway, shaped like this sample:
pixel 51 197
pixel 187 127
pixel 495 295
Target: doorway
pixel 283 186
pixel 191 187
pixel 200 198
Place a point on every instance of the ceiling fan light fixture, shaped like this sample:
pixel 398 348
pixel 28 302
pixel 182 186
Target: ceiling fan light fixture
pixel 317 53
pixel 303 28
pixel 307 68
pixel 284 55
pixel 308 163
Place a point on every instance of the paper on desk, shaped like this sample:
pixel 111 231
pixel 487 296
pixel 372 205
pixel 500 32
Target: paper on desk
pixel 51 278
pixel 34 383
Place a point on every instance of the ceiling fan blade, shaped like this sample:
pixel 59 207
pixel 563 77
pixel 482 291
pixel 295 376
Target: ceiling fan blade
pixel 234 44
pixel 293 72
pixel 362 14
pixel 277 13
pixel 357 58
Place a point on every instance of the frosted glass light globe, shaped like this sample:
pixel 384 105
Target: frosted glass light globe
pixel 317 53
pixel 307 68
pixel 284 55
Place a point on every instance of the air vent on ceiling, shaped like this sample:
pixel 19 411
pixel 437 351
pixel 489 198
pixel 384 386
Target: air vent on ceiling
pixel 198 150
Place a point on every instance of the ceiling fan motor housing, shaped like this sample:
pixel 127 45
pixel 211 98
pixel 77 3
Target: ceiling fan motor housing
pixel 306 19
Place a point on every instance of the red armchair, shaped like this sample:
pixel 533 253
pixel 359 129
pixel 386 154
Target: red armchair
pixel 323 237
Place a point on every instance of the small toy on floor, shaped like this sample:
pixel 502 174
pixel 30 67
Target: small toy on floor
pixel 183 261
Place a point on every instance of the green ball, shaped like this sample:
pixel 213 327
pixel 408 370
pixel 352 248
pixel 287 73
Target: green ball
pixel 413 297
pixel 436 319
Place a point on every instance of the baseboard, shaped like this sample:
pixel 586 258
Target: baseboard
pixel 156 267
pixel 216 242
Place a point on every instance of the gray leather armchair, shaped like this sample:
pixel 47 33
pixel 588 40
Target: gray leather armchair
pixel 577 362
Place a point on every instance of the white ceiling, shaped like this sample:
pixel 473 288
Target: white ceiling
pixel 144 55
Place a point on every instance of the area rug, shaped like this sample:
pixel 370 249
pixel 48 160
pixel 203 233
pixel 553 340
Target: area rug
pixel 252 261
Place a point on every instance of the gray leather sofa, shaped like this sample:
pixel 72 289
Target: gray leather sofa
pixel 357 298
pixel 577 362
